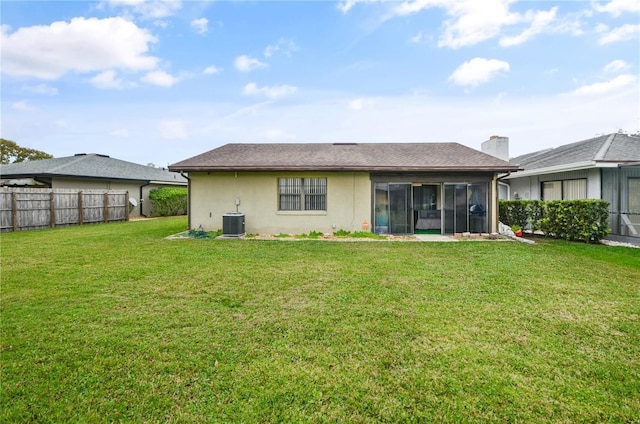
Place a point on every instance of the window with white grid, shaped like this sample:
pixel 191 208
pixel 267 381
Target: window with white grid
pixel 302 194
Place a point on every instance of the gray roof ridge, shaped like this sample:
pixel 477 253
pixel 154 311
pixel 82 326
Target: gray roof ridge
pixel 602 153
pixel 533 154
pixel 64 165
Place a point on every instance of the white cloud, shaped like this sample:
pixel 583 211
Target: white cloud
pixel 160 23
pixel 41 89
pixel 622 33
pixel 474 22
pixel 120 133
pixel 81 45
pixel 107 80
pixel 540 21
pixel 602 28
pixel 173 129
pixel 606 87
pixel 22 106
pixel 246 63
pixel 419 38
pixel 616 66
pixel 160 78
pixel 414 6
pixel 478 71
pixel 200 25
pixel 147 9
pixel 211 70
pixel 346 5
pixel 617 7
pixel 360 104
pixel 470 21
pixel 273 92
pixel 284 46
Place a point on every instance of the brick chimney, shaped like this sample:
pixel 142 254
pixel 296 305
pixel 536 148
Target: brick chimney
pixel 496 146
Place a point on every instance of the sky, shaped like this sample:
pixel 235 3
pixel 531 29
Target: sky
pixel 156 82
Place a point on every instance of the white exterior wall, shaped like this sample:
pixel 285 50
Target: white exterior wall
pixel 528 188
pixel 214 194
pixel 594 184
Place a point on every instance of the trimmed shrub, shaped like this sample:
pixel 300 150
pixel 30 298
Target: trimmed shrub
pixel 513 212
pixel 169 201
pixel 584 220
pixel 535 210
pixel 578 220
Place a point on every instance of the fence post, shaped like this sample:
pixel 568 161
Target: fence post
pixel 52 209
pixel 14 210
pixel 126 205
pixel 105 205
pixel 80 208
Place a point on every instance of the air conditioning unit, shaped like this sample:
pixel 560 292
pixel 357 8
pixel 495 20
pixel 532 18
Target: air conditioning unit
pixel 233 224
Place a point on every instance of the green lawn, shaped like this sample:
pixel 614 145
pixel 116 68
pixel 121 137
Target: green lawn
pixel 114 323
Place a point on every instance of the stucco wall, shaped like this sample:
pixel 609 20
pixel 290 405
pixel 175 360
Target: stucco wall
pixel 214 194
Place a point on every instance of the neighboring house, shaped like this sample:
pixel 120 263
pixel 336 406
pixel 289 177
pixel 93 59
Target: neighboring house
pixel 92 172
pixel 605 167
pixel 391 188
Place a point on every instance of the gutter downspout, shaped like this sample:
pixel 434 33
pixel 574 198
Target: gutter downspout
pixel 508 186
pixel 619 200
pixel 496 220
pixel 188 199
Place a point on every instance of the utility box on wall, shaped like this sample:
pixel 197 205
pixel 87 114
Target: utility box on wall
pixel 233 224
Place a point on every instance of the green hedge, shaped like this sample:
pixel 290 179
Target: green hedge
pixel 583 220
pixel 525 213
pixel 169 201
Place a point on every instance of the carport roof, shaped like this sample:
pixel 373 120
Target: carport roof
pixel 91 165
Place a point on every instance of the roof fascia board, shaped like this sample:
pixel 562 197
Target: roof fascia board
pixel 555 169
pixel 177 183
pixel 345 169
pixel 608 164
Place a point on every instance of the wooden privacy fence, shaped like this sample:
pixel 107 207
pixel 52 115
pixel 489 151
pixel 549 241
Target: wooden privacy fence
pixel 33 208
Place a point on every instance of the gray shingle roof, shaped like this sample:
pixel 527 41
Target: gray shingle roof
pixel 616 148
pixel 344 157
pixel 89 166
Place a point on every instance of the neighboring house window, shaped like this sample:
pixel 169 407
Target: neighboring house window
pixel 632 219
pixel 574 189
pixel 302 194
pixel 564 190
pixel 634 195
pixel 552 190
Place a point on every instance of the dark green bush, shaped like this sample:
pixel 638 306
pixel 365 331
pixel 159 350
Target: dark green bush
pixel 583 220
pixel 535 210
pixel 169 201
pixel 513 212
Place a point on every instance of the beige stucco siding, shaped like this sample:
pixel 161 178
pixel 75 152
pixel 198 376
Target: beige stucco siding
pixel 214 194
